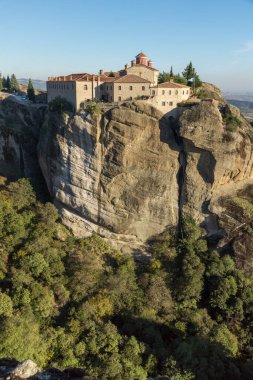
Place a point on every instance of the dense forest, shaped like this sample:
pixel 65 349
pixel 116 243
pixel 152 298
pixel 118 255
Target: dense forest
pixel 187 311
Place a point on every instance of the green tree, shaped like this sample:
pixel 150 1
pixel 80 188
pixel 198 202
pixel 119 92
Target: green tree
pixel 60 105
pixel 163 77
pixel 5 305
pixel 171 73
pixel 30 91
pixel 8 84
pixel 1 82
pixel 189 73
pixel 14 83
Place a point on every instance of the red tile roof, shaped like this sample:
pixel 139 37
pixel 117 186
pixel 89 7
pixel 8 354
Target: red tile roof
pixel 140 55
pixel 141 64
pixel 130 78
pixel 172 85
pixel 104 78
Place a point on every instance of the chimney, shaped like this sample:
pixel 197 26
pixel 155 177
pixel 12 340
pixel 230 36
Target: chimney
pixel 126 66
pixel 150 63
pixel 133 62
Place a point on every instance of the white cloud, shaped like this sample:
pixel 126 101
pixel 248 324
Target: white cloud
pixel 247 47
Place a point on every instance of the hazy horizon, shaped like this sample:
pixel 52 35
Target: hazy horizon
pixel 63 37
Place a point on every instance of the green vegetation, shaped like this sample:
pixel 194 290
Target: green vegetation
pixel 14 83
pixel 9 84
pixel 64 302
pixel 60 105
pixel 231 122
pixel 93 107
pixel 30 91
pixel 189 73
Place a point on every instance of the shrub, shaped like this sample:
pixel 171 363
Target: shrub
pixel 60 105
pixel 231 122
pixel 93 108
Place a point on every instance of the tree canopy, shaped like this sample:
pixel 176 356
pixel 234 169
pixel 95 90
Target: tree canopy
pixel 68 302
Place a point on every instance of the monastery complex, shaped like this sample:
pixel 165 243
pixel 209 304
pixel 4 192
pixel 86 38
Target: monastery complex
pixel 137 81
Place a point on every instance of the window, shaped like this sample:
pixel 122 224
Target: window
pixel 187 92
pixel 131 88
pixel 101 87
pixel 111 87
pixel 170 103
pixel 85 87
pixel 176 92
pixel 183 92
pixel 170 92
pixel 163 104
pixel 107 87
pixel 119 98
pixel 153 92
pixel 131 98
pixel 119 89
pixel 143 88
pixel 163 92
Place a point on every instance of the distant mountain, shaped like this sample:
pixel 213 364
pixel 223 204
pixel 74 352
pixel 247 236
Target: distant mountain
pixel 244 101
pixel 37 83
pixel 246 107
pixel 237 95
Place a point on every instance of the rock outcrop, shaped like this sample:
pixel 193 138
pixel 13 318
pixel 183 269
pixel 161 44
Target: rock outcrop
pixel 115 175
pixel 19 135
pixel 131 173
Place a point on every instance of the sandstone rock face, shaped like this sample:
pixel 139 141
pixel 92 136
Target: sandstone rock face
pixel 116 175
pixel 131 173
pixel 218 159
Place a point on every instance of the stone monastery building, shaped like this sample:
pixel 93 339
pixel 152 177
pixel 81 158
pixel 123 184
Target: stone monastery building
pixel 139 80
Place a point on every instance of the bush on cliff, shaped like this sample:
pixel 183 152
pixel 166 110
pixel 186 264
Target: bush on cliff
pixel 60 105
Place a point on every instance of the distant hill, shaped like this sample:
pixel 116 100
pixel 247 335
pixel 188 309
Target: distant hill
pixel 37 83
pixel 246 107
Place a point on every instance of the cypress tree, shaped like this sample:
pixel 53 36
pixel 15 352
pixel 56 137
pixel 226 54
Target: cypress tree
pixel 1 82
pixel 30 91
pixel 8 84
pixel 171 73
pixel 14 83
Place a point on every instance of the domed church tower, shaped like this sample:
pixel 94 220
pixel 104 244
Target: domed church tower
pixel 141 59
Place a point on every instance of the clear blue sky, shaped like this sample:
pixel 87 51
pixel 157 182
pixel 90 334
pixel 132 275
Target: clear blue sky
pixel 40 38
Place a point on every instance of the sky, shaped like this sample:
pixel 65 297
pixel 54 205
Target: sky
pixel 41 38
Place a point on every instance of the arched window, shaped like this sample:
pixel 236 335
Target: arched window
pixel 119 89
pixel 163 92
pixel 143 88
pixel 131 88
pixel 119 98
pixel 85 87
pixel 176 92
pixel 170 92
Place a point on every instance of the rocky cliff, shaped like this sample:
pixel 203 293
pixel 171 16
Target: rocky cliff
pixel 130 173
pixel 115 175
pixel 19 134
